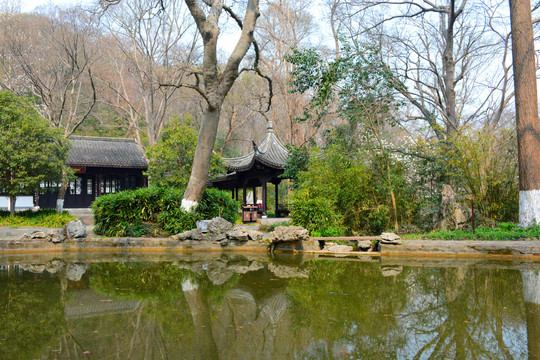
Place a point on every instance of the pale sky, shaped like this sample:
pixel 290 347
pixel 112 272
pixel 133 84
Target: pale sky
pixel 30 5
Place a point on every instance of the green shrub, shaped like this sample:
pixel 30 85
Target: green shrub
pixel 218 203
pixel 123 213
pixel 331 231
pixel 314 213
pixel 155 211
pixel 41 218
pixel 177 221
pixel 356 191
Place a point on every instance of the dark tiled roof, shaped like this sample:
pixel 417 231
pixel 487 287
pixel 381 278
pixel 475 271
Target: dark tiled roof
pixel 270 152
pixel 105 152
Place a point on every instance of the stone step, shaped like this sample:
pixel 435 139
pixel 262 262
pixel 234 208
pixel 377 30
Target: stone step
pixel 85 214
pixel 17 233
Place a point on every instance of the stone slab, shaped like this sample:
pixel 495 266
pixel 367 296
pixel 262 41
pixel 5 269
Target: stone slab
pixel 18 245
pixel 464 247
pixel 529 250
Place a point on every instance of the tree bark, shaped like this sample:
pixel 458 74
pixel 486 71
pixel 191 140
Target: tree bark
pixel 449 73
pixel 62 193
pixel 12 200
pixel 201 159
pixel 527 121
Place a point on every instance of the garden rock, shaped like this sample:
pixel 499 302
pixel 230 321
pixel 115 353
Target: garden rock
pixel 35 268
pixel 340 248
pixel 454 214
pixel 390 238
pixel 240 234
pixel 54 266
pixel 194 234
pixel 215 238
pixel 36 234
pixel 255 235
pixel 218 225
pixel 364 245
pixel 288 234
pixel 224 242
pixel 56 236
pixel 218 273
pixel 389 270
pixel 75 229
pixel 244 234
pixel 75 272
pixel 288 272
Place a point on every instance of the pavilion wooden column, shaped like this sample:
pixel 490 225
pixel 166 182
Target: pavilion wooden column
pixel 264 197
pixel 276 188
pixel 254 195
pixel 244 195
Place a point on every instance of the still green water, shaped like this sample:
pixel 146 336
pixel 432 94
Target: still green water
pixel 244 306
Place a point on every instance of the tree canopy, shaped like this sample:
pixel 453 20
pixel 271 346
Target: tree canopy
pixel 31 152
pixel 170 160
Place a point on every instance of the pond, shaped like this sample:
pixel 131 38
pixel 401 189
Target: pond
pixel 258 306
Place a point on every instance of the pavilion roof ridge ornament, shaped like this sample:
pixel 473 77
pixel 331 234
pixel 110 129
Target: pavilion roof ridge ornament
pixel 270 126
pixel 270 152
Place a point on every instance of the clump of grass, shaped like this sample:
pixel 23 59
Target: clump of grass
pixel 503 231
pixel 40 218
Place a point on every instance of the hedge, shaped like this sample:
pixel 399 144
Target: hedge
pixel 156 211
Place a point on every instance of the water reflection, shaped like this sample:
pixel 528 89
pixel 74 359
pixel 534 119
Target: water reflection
pixel 203 306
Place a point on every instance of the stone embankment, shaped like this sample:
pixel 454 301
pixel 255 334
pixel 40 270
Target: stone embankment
pixel 220 235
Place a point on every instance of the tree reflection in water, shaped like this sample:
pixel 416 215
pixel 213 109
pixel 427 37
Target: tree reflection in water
pixel 255 307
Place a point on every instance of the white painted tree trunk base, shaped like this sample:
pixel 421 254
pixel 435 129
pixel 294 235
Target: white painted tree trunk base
pixel 188 205
pixel 529 207
pixel 59 205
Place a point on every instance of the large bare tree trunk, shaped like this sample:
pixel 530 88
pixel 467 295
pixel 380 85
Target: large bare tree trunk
pixel 449 72
pixel 528 124
pixel 201 160
pixel 216 84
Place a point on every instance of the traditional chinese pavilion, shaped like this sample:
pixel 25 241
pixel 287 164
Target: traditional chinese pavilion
pixel 263 165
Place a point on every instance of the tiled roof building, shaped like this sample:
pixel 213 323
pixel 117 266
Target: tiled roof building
pixel 106 152
pixel 102 166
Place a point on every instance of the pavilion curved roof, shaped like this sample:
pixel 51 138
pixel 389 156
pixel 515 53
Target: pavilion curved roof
pixel 270 152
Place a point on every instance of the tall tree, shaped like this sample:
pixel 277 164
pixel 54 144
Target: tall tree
pixel 152 43
pixel 53 55
pixel 441 57
pixel 31 150
pixel 216 83
pixel 528 123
